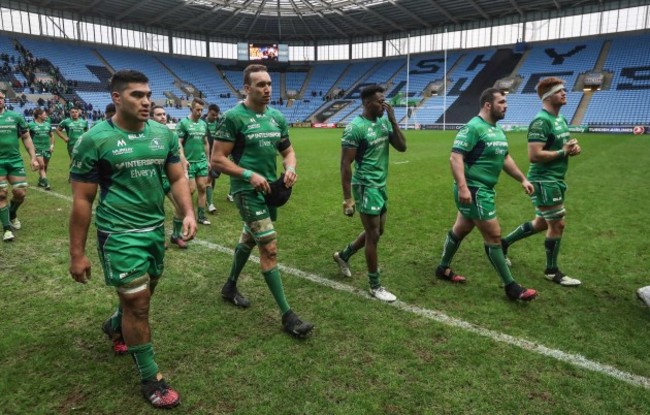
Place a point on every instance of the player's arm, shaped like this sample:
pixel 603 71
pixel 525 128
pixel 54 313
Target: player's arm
pixel 29 146
pixel 222 163
pixel 58 130
pixel 510 167
pixel 457 162
pixel 348 155
pixel 537 153
pixel 83 196
pixel 289 161
pixel 396 137
pixel 180 189
pixel 51 141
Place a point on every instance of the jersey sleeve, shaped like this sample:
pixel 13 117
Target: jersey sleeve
pixel 86 125
pixel 22 126
pixel 284 127
pixel 538 131
pixel 174 155
pixel 465 140
pixel 226 130
pixel 32 128
pixel 351 137
pixel 84 166
pixel 181 132
pixel 62 125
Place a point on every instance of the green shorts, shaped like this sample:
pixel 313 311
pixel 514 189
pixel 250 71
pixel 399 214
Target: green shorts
pixel 482 206
pixel 258 217
pixel 166 185
pixel 12 167
pixel 548 193
pixel 370 200
pixel 197 169
pixel 128 257
pixel 44 152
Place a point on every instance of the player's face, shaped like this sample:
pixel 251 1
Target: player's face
pixel 558 98
pixel 212 115
pixel 43 116
pixel 159 115
pixel 197 110
pixel 134 101
pixel 375 105
pixel 2 101
pixel 499 107
pixel 74 114
pixel 259 90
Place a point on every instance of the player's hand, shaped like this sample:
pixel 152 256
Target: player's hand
pixel 80 269
pixel 390 112
pixel 464 196
pixel 35 165
pixel 290 177
pixel 568 146
pixel 528 187
pixel 189 227
pixel 575 150
pixel 348 207
pixel 260 184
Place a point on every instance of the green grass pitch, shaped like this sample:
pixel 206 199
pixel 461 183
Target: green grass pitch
pixel 364 357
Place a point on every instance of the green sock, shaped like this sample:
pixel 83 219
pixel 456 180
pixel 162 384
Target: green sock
pixel 13 208
pixel 4 218
pixel 522 231
pixel 495 254
pixel 347 252
pixel 373 279
pixel 116 319
pixel 177 227
pixel 449 250
pixel 201 212
pixel 143 356
pixel 208 193
pixel 552 246
pixel 273 280
pixel 242 252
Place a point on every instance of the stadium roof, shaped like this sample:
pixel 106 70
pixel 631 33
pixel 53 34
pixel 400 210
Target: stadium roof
pixel 287 20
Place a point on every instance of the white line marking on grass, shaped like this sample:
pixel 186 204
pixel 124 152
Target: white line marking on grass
pixel 440 317
pixel 401 162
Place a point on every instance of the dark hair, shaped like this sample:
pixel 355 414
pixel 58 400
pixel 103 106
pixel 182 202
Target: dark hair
pixel 214 107
pixel 38 112
pixel 251 69
pixel 121 79
pixel 110 108
pixel 370 91
pixel 488 95
pixel 155 107
pixel 198 101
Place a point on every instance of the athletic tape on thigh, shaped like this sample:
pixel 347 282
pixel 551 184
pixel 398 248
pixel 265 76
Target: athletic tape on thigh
pixel 554 214
pixel 262 231
pixel 4 184
pixel 135 286
pixel 20 185
pixel 246 237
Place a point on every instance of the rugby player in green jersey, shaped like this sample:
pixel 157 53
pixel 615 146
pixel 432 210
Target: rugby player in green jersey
pixel 212 119
pixel 549 149
pixel 252 134
pixel 366 143
pixel 12 169
pixel 74 127
pixel 125 157
pixel 159 115
pixel 41 132
pixel 193 134
pixel 479 153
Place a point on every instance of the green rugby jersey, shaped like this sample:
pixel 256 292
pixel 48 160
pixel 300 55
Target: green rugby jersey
pixel 73 129
pixel 191 135
pixel 40 134
pixel 213 127
pixel 554 133
pixel 484 147
pixel 256 138
pixel 371 141
pixel 12 126
pixel 128 168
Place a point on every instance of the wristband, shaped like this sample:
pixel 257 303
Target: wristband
pixel 291 169
pixel 561 153
pixel 247 174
